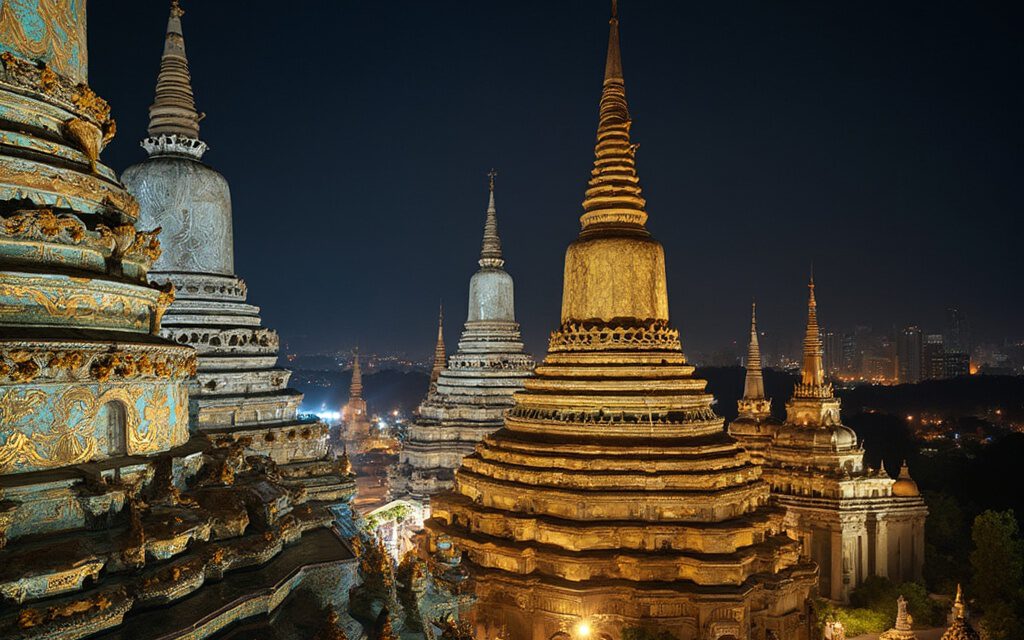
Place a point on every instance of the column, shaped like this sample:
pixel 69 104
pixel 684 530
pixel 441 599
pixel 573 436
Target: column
pixel 836 551
pixel 881 547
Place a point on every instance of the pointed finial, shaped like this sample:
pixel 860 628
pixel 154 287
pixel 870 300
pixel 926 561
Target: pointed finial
pixel 754 404
pixel 812 371
pixel 176 9
pixel 440 354
pixel 490 250
pixel 615 9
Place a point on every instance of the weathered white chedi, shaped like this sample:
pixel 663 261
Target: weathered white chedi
pixel 239 392
pixel 853 521
pixel 472 392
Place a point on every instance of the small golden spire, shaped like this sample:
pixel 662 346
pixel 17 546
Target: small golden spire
pixel 753 386
pixel 812 373
pixel 754 404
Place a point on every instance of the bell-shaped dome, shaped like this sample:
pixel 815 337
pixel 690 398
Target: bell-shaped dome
pixel 491 296
pixel 191 203
pixel 905 487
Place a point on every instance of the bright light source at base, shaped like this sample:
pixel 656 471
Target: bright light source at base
pixel 583 630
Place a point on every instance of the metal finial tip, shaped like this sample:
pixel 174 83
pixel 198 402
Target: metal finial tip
pixel 491 175
pixel 615 9
pixel 176 9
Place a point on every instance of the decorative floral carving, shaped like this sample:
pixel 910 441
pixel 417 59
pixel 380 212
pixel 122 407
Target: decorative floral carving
pixel 596 337
pixel 43 224
pixel 23 364
pixel 127 242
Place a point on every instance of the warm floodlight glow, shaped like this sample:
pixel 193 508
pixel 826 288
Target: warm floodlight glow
pixel 583 629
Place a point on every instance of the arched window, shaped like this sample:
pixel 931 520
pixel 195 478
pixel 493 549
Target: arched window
pixel 112 418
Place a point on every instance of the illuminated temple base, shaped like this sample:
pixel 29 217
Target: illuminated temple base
pixel 522 608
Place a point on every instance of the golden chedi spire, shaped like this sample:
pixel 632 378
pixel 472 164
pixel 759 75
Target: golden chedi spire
pixel 615 270
pixel 813 402
pixel 490 251
pixel 612 489
pixel 613 194
pixel 959 628
pixel 440 355
pixel 754 404
pixel 173 112
pixel 812 371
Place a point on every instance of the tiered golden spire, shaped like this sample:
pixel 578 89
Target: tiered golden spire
pixel 173 112
pixel 812 372
pixel 490 252
pixel 440 355
pixel 753 385
pixel 615 271
pixel 356 390
pixel 613 196
pixel 754 405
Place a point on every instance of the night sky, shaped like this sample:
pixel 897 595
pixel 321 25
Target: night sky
pixel 882 140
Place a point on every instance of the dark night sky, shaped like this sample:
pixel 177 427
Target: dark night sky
pixel 882 140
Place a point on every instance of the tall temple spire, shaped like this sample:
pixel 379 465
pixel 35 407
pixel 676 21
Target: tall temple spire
pixel 440 355
pixel 613 194
pixel 490 252
pixel 753 385
pixel 356 389
pixel 173 112
pixel 615 271
pixel 754 404
pixel 812 373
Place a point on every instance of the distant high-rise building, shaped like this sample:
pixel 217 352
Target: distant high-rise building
pixel 956 364
pixel 933 357
pixel 848 358
pixel 908 354
pixel 833 352
pixel 958 332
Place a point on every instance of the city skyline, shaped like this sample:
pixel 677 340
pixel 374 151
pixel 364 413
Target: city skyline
pixel 876 138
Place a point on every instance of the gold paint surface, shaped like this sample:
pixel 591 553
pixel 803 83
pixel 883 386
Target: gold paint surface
pixel 613 278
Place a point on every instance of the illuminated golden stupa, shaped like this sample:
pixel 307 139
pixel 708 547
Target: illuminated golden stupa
pixel 612 498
